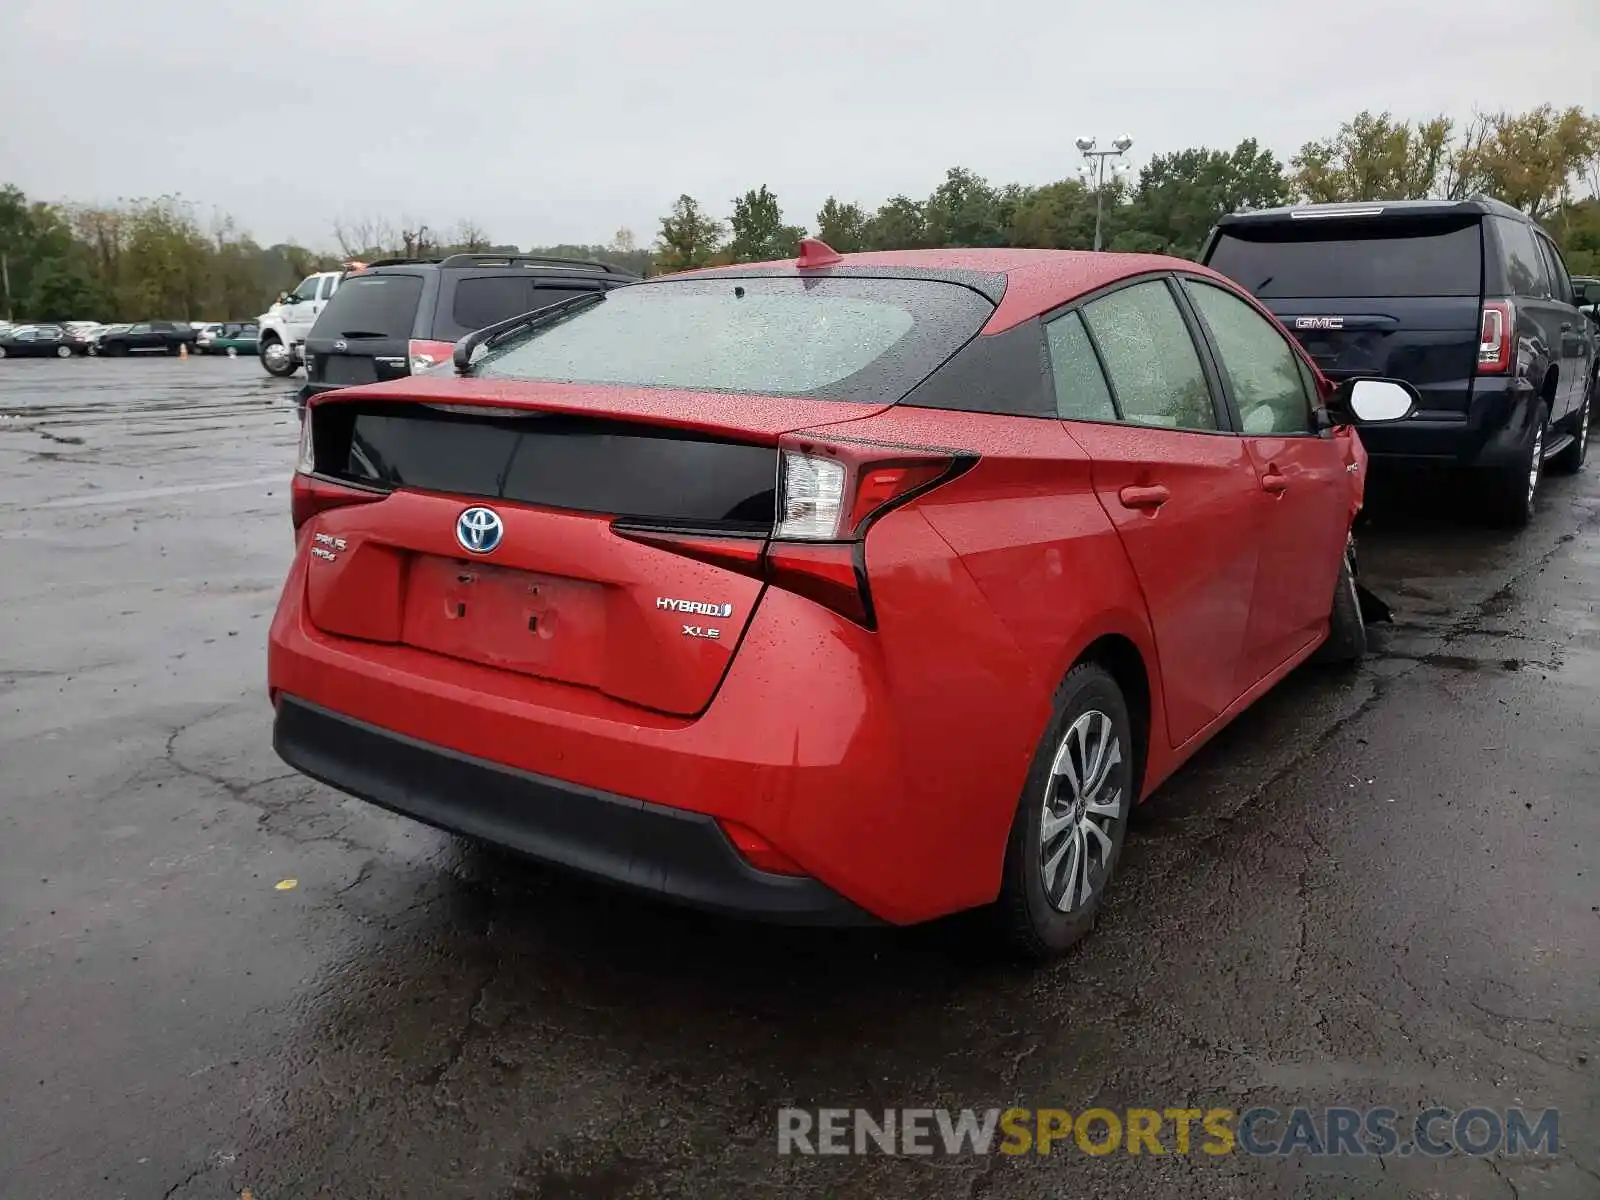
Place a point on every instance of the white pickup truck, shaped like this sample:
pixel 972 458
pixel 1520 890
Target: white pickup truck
pixel 285 325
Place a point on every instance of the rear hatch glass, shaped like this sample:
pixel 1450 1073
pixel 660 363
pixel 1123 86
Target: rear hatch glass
pixel 834 338
pixel 363 333
pixel 1392 298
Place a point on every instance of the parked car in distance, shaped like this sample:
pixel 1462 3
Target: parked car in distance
pixel 400 316
pixel 37 341
pixel 285 325
pixel 232 338
pixel 102 332
pixel 147 337
pixel 84 335
pixel 852 588
pixel 1467 300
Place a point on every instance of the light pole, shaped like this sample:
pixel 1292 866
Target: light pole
pixel 1095 169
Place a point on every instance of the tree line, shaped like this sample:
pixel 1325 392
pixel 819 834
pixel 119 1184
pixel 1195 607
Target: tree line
pixel 1545 162
pixel 155 258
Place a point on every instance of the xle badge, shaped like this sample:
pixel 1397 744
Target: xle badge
pixel 700 631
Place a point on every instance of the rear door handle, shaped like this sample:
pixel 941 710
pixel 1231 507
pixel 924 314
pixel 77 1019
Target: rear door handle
pixel 1144 497
pixel 1274 482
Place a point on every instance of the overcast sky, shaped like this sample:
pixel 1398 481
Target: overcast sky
pixel 548 121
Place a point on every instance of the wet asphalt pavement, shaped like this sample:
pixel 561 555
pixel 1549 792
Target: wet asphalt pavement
pixel 1375 888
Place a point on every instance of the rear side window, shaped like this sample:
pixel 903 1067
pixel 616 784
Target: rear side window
pixel 373 306
pixel 834 338
pixel 1315 259
pixel 482 300
pixel 1525 268
pixel 1560 282
pixel 1151 359
pixel 1081 391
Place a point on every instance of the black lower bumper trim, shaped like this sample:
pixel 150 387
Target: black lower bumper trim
pixel 679 855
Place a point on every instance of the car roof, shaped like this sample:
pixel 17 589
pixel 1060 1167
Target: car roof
pixel 1376 210
pixel 1022 282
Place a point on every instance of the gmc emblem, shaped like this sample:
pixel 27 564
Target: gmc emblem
pixel 1319 322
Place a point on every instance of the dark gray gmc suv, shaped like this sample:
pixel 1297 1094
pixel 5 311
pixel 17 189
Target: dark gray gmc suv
pixel 1469 301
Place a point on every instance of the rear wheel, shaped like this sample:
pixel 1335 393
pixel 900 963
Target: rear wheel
pixel 276 359
pixel 2 351
pixel 115 349
pixel 63 351
pixel 233 352
pixel 1067 834
pixel 1570 460
pixel 1511 490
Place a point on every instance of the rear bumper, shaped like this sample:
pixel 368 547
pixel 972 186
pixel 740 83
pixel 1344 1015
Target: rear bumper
pixel 669 852
pixel 1490 432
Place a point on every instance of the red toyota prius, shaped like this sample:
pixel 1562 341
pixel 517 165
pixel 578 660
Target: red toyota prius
pixel 854 588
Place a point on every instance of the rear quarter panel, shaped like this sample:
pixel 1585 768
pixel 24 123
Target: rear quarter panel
pixel 987 590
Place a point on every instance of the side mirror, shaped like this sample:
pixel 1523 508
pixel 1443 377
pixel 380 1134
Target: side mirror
pixel 1372 401
pixel 1588 294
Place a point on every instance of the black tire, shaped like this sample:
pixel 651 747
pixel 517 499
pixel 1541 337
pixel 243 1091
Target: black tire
pixel 115 349
pixel 285 367
pixel 1570 460
pixel 1031 925
pixel 1347 625
pixel 1509 493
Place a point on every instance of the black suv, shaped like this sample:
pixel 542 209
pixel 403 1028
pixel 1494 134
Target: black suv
pixel 1467 300
pixel 399 316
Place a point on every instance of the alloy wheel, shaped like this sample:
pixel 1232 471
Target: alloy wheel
pixel 1081 809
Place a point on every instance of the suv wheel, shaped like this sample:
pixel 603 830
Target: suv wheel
pixel 1570 460
pixel 277 359
pixel 1511 490
pixel 1069 827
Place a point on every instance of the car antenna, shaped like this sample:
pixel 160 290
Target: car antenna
pixel 814 252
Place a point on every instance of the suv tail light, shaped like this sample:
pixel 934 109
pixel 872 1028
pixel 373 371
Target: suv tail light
pixel 829 494
pixel 422 355
pixel 309 495
pixel 1496 337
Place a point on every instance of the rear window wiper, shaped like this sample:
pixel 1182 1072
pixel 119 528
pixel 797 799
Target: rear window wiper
pixel 490 334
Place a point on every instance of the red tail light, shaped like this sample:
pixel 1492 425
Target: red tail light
pixel 829 494
pixel 423 355
pixel 1496 337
